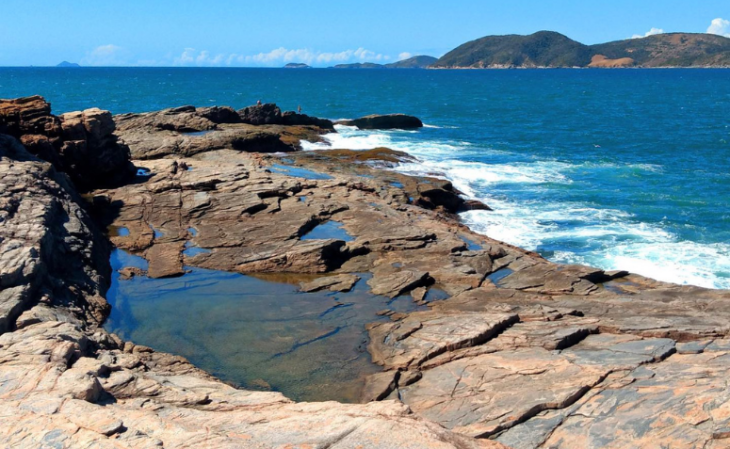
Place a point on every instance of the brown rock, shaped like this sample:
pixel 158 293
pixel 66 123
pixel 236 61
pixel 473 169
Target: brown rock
pixel 338 283
pixel 396 284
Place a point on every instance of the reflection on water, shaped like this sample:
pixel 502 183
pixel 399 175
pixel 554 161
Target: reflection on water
pixel 328 230
pixel 255 332
pixel 298 172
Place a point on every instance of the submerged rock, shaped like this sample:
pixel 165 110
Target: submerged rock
pixel 339 283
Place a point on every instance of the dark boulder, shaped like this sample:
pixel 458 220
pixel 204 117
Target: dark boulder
pixel 185 119
pixel 391 121
pixel 220 114
pixel 91 153
pixel 264 114
pixel 81 144
pixel 291 118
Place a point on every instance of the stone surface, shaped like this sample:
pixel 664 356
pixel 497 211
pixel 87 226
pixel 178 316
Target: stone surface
pixel 518 350
pixel 66 383
pixel 338 283
pixel 81 144
pixel 391 121
pixel 187 131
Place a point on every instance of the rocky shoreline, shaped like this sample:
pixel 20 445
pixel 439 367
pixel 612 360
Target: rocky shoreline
pixel 522 353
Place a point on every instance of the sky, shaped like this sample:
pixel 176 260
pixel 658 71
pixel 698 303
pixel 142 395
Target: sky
pixel 320 33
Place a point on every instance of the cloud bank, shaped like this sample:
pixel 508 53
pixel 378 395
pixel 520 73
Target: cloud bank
pixel 720 27
pixel 276 57
pixel 651 32
pixel 106 55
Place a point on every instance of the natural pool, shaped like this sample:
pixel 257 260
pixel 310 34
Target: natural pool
pixel 254 332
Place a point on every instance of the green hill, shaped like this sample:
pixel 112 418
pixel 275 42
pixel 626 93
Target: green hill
pixel 542 49
pixel 416 62
pixel 670 50
pixel 550 49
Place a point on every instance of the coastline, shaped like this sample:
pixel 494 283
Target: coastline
pixel 542 343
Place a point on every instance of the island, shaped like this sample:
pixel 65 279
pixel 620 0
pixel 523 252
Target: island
pixel 548 49
pixel 67 64
pixel 295 65
pixel 415 62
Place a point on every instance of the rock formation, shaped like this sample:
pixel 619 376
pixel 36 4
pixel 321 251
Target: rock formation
pixel 390 121
pixel 82 144
pixel 65 382
pixel 521 353
pixel 186 131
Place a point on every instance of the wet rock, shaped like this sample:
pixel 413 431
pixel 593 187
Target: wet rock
pixel 396 284
pixel 338 283
pixel 392 121
pixel 379 386
pixel 290 118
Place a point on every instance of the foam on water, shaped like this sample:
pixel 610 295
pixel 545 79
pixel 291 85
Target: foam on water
pixel 566 232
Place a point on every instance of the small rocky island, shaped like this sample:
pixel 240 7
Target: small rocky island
pixel 515 351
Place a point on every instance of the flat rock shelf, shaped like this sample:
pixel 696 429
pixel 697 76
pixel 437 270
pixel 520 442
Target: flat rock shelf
pixel 270 280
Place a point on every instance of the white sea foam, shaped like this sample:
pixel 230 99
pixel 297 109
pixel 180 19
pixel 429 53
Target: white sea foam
pixel 606 238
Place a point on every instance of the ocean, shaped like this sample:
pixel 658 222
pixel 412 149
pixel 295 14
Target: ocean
pixel 617 169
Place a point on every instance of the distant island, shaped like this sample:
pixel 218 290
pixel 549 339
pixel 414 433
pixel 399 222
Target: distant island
pixel 553 50
pixel 416 62
pixel 548 49
pixel 67 64
pixel 297 65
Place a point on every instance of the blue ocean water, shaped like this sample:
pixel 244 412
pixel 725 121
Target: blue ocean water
pixel 619 169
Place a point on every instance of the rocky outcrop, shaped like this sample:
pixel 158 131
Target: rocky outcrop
pixel 391 121
pixel 65 382
pixel 81 144
pixel 263 114
pixel 511 350
pixel 52 256
pixel 270 114
pixel 187 131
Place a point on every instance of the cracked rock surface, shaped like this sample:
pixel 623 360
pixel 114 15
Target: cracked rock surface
pixel 513 351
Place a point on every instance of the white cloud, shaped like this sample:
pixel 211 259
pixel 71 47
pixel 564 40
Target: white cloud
pixel 720 27
pixel 277 57
pixel 651 32
pixel 405 55
pixel 106 55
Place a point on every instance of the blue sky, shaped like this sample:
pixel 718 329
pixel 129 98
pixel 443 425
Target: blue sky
pixel 322 33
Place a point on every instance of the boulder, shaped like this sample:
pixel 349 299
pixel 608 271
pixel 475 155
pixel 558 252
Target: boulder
pixel 220 114
pixel 390 121
pixel 291 118
pixel 91 153
pixel 82 144
pixel 264 114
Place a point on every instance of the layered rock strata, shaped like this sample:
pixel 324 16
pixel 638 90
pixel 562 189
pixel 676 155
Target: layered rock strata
pixel 521 351
pixel 65 382
pixel 82 144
